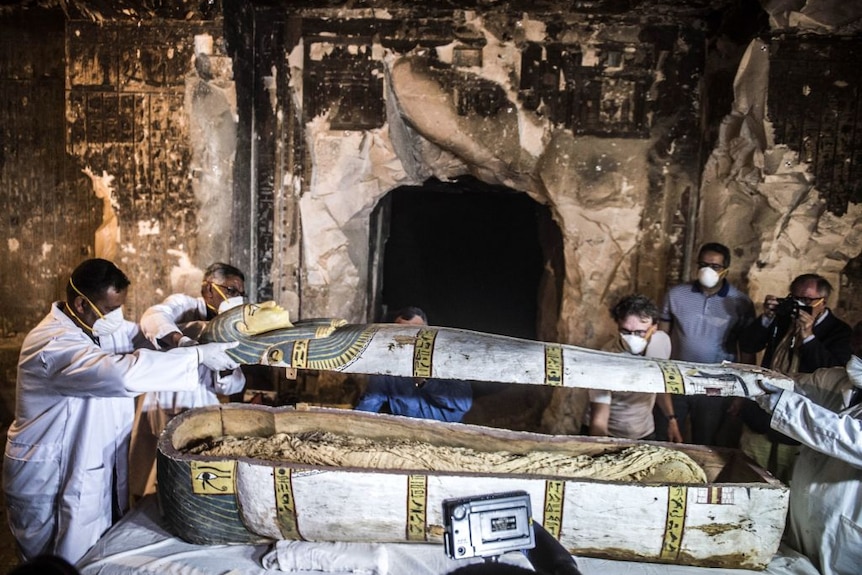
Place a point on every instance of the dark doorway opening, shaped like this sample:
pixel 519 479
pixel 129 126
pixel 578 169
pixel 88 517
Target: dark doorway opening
pixel 465 252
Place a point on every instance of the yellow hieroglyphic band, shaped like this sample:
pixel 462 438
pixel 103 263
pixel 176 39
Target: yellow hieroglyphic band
pixel 423 352
pixel 553 365
pixel 285 504
pixel 417 499
pixel 213 477
pixel 552 513
pixel 299 356
pixel 713 495
pixel 673 382
pixel 674 523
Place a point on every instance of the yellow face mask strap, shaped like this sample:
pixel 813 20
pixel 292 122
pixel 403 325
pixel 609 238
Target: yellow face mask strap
pixel 218 291
pixel 221 293
pixel 71 283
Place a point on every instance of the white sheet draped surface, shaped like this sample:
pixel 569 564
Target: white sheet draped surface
pixel 140 545
pixel 359 558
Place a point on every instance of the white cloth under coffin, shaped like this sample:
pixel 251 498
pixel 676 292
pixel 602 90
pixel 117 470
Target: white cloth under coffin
pixel 140 545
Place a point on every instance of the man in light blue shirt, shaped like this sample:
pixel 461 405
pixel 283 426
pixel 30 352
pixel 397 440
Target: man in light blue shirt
pixel 704 319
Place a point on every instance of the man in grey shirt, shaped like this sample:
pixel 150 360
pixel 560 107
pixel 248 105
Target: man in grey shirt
pixel 704 318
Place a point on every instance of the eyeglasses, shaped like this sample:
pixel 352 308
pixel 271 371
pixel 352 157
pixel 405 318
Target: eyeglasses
pixel 230 291
pixel 715 267
pixel 637 332
pixel 812 301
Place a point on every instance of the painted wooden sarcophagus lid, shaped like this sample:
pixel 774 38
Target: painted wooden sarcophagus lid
pixel 266 336
pixel 733 517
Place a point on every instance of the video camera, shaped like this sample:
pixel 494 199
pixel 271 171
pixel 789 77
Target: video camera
pixel 489 525
pixel 789 307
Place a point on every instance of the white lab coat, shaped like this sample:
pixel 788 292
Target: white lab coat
pixel 187 314
pixel 826 487
pixel 65 466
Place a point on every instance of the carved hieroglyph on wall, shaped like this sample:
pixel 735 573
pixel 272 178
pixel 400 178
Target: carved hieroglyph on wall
pixel 763 197
pixel 584 145
pixel 151 108
pixel 617 201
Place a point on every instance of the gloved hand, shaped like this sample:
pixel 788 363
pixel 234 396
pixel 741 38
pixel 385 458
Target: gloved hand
pixel 186 342
pixel 770 396
pixel 214 356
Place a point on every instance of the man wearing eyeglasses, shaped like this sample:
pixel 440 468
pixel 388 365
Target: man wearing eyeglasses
pixel 629 414
pixel 704 319
pixel 222 288
pixel 178 322
pixel 797 334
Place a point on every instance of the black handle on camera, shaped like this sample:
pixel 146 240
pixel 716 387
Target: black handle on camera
pixel 549 557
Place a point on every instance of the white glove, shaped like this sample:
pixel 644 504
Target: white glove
pixel 214 355
pixel 186 342
pixel 770 396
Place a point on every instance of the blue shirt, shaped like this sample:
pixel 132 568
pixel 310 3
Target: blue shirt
pixel 704 328
pixel 441 399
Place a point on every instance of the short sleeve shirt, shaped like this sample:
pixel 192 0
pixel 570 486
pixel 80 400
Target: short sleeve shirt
pixel 705 329
pixel 631 412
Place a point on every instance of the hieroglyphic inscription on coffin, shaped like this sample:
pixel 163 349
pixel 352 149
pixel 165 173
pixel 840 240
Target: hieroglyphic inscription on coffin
pixel 386 479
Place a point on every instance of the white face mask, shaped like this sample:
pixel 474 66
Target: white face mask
pixel 108 323
pixel 854 370
pixel 634 343
pixel 708 277
pixel 230 303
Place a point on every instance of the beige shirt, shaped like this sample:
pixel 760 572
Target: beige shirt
pixel 631 412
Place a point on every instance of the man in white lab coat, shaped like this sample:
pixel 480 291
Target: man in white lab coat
pixel 826 486
pixel 66 462
pixel 178 322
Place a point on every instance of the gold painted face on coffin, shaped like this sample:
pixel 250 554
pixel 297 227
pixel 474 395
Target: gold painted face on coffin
pixel 263 317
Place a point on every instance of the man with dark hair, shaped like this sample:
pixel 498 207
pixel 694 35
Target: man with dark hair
pixel 444 400
pixel 178 322
pixel 410 315
pixel 704 319
pixel 824 413
pixel 629 414
pixel 222 288
pixel 65 469
pixel 798 334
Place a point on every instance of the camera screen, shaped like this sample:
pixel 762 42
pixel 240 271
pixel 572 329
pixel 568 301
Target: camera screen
pixel 503 523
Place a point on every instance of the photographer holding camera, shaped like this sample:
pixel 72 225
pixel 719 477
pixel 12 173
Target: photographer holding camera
pixel 798 334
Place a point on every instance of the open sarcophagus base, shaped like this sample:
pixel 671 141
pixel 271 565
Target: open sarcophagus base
pixel 735 518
